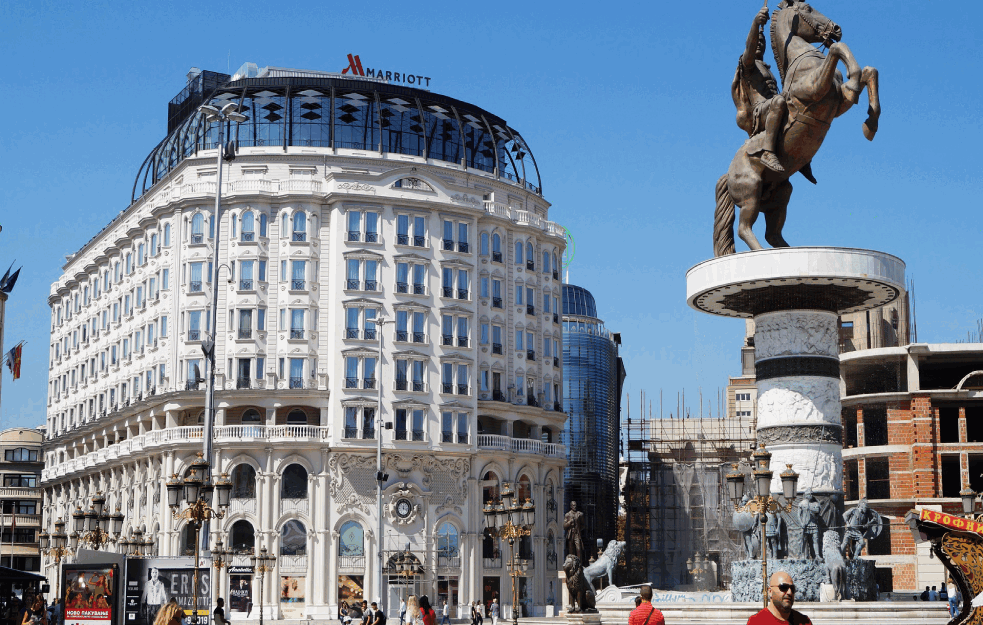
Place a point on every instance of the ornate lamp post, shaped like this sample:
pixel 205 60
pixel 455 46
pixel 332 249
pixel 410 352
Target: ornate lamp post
pixel 198 495
pixel 968 495
pixel 763 502
pixel 263 562
pixel 407 568
pixel 93 527
pixel 54 545
pixel 698 568
pixel 498 520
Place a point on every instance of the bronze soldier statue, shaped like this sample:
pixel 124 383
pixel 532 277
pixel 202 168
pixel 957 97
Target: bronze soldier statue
pixel 573 523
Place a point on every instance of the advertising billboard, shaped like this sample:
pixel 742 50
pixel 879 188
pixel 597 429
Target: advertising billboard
pixel 90 593
pixel 152 582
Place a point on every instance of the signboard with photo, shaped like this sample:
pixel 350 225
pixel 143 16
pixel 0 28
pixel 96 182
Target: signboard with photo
pixel 240 588
pixel 292 596
pixel 90 594
pixel 152 582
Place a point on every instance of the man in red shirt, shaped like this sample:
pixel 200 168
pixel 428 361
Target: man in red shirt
pixel 781 592
pixel 645 613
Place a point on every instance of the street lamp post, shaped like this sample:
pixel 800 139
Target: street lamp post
pixel 380 475
pixel 408 567
pixel 221 115
pixel 93 526
pixel 55 546
pixel 262 563
pixel 698 568
pixel 498 520
pixel 198 495
pixel 763 503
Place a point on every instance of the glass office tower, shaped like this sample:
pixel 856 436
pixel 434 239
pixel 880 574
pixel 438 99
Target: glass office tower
pixel 593 375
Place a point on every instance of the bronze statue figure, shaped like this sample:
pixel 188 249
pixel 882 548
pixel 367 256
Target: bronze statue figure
pixel 862 524
pixel 812 528
pixel 785 134
pixel 573 523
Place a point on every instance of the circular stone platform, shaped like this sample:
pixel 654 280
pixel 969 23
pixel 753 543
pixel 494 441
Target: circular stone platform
pixel 838 280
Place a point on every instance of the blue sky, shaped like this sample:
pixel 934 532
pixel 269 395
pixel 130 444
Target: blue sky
pixel 625 105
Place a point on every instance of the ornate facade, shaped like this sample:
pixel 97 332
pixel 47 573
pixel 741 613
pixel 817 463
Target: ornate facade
pixel 350 201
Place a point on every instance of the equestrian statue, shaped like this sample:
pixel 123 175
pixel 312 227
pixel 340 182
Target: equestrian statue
pixel 785 129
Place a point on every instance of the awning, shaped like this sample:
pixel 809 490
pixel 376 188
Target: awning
pixel 13 575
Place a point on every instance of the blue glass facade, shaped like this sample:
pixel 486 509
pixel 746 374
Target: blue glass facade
pixel 593 375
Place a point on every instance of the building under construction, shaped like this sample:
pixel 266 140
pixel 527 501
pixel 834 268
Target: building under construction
pixel 675 503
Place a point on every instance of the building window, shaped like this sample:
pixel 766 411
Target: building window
pixel 496 248
pixel 409 424
pixel 411 230
pixel 370 219
pixel 360 372
pixel 518 252
pixel 454 427
pixel 242 537
pixel 360 422
pixel 20 481
pixel 299 226
pixel 244 476
pixel 21 454
pixel 455 283
pixel 294 482
pixel 454 378
pixel 484 244
pixel 197 229
pixel 293 539
pixel 454 327
pixel 878 478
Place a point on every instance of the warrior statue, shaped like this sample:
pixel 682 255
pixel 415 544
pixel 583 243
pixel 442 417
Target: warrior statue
pixel 748 524
pixel 573 523
pixel 787 130
pixel 773 534
pixel 810 521
pixel 761 110
pixel 862 524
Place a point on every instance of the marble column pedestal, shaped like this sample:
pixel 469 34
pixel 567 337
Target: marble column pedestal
pixel 795 296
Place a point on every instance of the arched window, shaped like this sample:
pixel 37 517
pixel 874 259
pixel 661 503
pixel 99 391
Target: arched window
pixel 248 226
pixel 546 261
pixel 197 228
pixel 484 244
pixel 556 267
pixel 293 539
pixel 251 416
pixel 294 482
pixel 529 253
pixel 300 226
pixel 262 224
pixel 242 537
pixel 167 235
pixel 497 246
pixel 518 252
pixel 525 489
pixel 490 488
pixel 283 225
pixel 211 228
pixel 297 417
pixel 244 482
pixel 232 224
pixel 447 543
pixel 187 541
pixel 351 543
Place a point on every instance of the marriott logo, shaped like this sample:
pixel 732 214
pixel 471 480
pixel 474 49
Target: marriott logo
pixel 355 67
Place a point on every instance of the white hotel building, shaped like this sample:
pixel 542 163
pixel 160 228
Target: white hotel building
pixel 350 199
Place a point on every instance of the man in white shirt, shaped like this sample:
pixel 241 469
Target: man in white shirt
pixel 445 620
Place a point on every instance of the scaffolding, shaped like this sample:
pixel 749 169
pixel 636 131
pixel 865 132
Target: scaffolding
pixel 675 504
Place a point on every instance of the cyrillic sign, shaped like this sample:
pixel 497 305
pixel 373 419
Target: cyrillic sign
pixel 955 522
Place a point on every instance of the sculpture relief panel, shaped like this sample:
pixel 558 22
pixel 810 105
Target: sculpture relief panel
pixel 785 401
pixel 795 333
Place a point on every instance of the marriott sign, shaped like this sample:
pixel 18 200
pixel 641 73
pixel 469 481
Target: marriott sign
pixel 355 67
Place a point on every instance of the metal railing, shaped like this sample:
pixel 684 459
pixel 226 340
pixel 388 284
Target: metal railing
pixel 351 382
pixel 447 339
pixel 530 354
pixel 296 334
pixel 197 239
pixel 354 235
pixel 462 341
pixel 530 309
pixel 462 246
pixel 402 335
pixel 193 335
pixel 496 348
pixel 419 241
pixel 402 287
pixel 247 236
pixel 418 435
pixel 419 337
pixel 245 333
pixel 296 382
pixel 245 285
pixel 194 286
pixel 371 285
pixel 351 333
pixel 419 289
pixel 402 239
pixel 300 236
pixel 371 237
pixel 496 302
pixel 448 291
pixel 353 285
pixel 449 245
pixel 531 265
pixel 462 294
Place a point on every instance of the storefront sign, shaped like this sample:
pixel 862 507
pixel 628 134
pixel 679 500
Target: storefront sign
pixel 355 67
pixel 955 522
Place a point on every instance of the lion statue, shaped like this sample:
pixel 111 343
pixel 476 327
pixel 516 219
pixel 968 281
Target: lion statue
pixel 835 565
pixel 605 563
pixel 581 592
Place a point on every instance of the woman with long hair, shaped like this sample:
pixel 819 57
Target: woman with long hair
pixel 170 614
pixel 426 612
pixel 412 610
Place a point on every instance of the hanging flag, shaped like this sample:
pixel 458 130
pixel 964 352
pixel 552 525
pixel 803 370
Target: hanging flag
pixel 13 361
pixel 8 284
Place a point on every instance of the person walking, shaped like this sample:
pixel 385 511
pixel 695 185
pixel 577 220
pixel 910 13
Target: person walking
pixel 445 619
pixel 378 616
pixel 218 614
pixel 781 595
pixel 427 613
pixel 402 611
pixel 645 613
pixel 494 611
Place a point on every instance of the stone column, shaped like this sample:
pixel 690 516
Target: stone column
pixel 798 370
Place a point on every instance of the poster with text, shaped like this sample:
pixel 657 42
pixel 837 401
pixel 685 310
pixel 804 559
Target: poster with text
pixel 292 596
pixel 240 588
pixel 152 582
pixel 90 593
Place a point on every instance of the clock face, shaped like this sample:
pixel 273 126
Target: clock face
pixel 403 508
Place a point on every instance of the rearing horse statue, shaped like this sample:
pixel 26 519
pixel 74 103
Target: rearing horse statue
pixel 815 94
